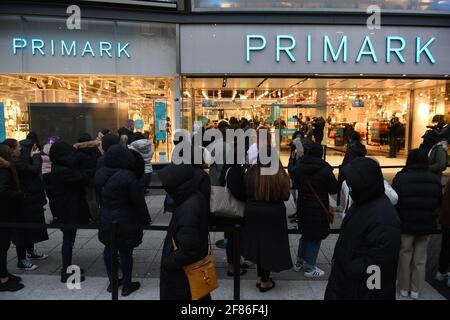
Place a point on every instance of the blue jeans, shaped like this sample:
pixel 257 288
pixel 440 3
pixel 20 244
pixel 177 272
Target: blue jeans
pixel 308 250
pixel 125 262
pixel 145 181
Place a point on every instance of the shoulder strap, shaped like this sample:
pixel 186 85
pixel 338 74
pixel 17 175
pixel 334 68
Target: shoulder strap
pixel 318 198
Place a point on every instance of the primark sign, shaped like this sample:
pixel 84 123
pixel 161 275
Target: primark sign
pixel 305 49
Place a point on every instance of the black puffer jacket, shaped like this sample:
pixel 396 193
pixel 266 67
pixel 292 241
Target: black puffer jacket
pixel 355 149
pixel 122 199
pixel 188 228
pixel 10 198
pixel 419 196
pixel 29 172
pixel 69 182
pixel 313 221
pixel 370 236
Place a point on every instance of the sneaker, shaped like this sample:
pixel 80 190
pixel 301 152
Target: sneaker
pixel 314 273
pixel 298 267
pixel 26 265
pixel 441 276
pixel 404 293
pixel 37 256
pixel 132 288
pixel 11 286
pixel 414 295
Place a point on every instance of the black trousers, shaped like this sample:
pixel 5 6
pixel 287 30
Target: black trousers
pixel 69 236
pixel 263 274
pixel 444 257
pixel 22 251
pixel 5 241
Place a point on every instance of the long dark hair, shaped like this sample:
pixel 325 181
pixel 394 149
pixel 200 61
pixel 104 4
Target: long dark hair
pixel 417 157
pixel 5 153
pixel 267 187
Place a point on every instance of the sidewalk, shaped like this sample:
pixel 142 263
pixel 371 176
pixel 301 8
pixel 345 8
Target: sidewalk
pixel 43 283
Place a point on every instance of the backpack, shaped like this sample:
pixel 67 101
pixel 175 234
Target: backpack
pixel 432 157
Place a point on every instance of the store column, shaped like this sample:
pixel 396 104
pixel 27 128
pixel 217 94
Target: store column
pixel 321 110
pixel 176 111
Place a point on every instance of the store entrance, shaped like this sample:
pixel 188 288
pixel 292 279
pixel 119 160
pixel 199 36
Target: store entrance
pixel 326 110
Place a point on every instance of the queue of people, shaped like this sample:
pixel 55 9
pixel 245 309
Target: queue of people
pixel 384 227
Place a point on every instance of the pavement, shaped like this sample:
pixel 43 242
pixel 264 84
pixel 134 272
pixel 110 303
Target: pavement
pixel 43 283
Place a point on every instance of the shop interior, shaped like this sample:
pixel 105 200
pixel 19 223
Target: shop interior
pixel 67 106
pixel 365 105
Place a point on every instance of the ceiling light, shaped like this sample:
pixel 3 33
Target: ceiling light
pixel 234 95
pixel 224 82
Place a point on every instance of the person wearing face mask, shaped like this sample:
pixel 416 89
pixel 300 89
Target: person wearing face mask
pixel 369 240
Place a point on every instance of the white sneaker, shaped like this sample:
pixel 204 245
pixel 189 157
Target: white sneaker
pixel 298 267
pixel 414 295
pixel 441 276
pixel 404 293
pixel 314 273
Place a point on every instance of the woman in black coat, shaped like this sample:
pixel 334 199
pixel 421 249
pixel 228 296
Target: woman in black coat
pixel 122 201
pixel 10 198
pixel 28 163
pixel 419 196
pixel 367 249
pixel 188 228
pixel 265 235
pixel 315 179
pixel 69 182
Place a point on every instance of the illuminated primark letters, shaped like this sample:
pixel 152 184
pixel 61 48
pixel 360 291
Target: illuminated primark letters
pixel 337 51
pixel 71 48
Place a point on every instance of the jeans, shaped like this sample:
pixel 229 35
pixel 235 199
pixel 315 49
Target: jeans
pixel 69 236
pixel 308 250
pixel 444 257
pixel 145 181
pixel 263 274
pixel 393 146
pixel 125 262
pixel 22 251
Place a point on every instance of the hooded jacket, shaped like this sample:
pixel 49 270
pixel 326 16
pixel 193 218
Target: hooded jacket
pixel 355 149
pixel 68 182
pixel 370 236
pixel 444 217
pixel 311 168
pixel 144 147
pixel 188 228
pixel 29 172
pixel 108 140
pixel 122 199
pixel 420 194
pixel 9 197
pixel 438 157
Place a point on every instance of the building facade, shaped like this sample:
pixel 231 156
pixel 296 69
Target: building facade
pixel 173 64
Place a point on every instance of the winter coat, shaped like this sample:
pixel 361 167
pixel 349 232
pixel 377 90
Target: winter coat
pixel 122 199
pixel 444 217
pixel 347 201
pixel 88 157
pixel 144 147
pixel 313 222
pixel 188 228
pixel 9 197
pixel 420 194
pixel 370 236
pixel 32 207
pixel 265 235
pixel 68 181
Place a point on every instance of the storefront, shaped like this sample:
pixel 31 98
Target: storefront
pixel 350 76
pixel 62 82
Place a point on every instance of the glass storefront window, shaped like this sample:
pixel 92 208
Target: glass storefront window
pixel 425 6
pixel 57 81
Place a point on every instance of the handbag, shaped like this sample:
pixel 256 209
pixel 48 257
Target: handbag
pixel 329 214
pixel 201 275
pixel 223 204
